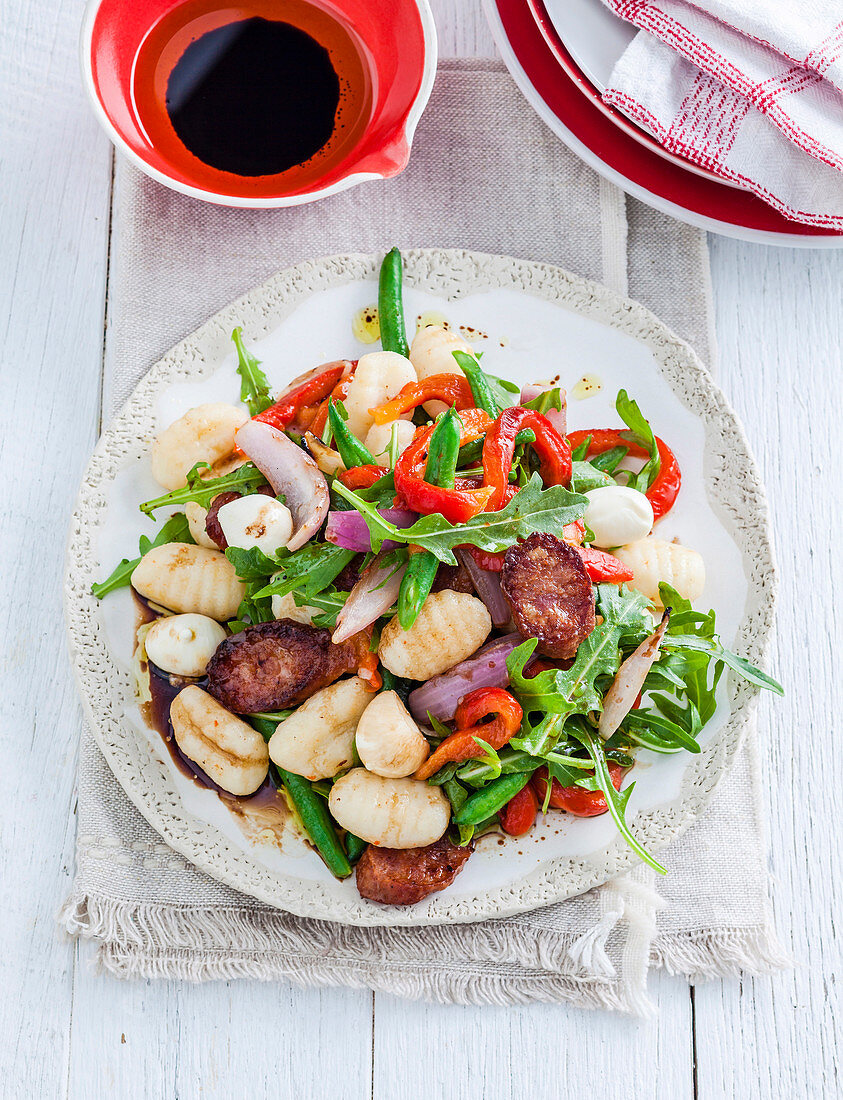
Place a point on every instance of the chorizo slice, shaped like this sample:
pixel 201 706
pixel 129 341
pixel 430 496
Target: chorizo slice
pixel 279 664
pixel 403 876
pixel 455 577
pixel 546 585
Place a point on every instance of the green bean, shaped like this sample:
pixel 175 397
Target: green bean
pixel 484 398
pixel 472 451
pixel 440 469
pixel 488 800
pixel 354 847
pixel 349 447
pixel 316 821
pixel 391 305
pixel 443 450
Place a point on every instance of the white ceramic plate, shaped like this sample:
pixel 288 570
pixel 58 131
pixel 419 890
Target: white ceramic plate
pixel 538 321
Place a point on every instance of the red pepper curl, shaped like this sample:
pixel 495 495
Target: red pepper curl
pixel 552 448
pixel 308 393
pixel 519 814
pixel 457 505
pixel 453 389
pixel 576 800
pixel 664 490
pixel 362 477
pixel 504 712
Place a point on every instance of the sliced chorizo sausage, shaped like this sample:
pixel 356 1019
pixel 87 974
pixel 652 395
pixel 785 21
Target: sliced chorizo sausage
pixel 547 587
pixel 403 876
pixel 279 664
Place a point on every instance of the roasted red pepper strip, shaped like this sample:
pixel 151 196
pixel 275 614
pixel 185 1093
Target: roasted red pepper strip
pixel 552 449
pixel 457 505
pixel 453 389
pixel 604 568
pixel 505 712
pixel 519 814
pixel 576 800
pixel 369 672
pixel 664 490
pixel 362 477
pixel 311 392
pixel 340 392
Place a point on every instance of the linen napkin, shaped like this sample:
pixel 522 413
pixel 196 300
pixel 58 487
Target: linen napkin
pixel 750 89
pixel 175 262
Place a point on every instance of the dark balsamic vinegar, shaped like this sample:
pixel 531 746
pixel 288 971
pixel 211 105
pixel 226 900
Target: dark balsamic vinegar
pixel 254 97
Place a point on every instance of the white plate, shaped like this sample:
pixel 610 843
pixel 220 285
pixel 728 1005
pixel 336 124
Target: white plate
pixel 538 321
pixel 595 36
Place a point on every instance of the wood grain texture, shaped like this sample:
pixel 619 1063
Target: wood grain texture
pixel 66 1031
pixel 54 205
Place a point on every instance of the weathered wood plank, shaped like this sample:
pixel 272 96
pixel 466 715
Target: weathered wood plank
pixel 54 190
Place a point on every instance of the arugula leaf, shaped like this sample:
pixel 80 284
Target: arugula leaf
pixel 254 388
pixel 176 529
pixel 545 401
pixel 641 433
pixel 308 571
pixel 616 800
pixel 244 479
pixel 331 603
pixel 533 508
pixel 609 460
pixel 252 564
pixel 586 476
pixel 573 691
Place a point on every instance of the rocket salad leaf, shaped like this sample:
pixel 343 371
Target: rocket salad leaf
pixel 533 508
pixel 254 388
pixel 176 529
pixel 245 479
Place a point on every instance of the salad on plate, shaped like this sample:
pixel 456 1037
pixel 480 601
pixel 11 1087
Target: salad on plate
pixel 403 598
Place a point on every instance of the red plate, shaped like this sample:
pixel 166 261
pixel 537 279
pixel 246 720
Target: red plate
pixel 621 158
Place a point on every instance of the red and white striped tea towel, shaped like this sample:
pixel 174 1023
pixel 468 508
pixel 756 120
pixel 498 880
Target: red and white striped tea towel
pixel 750 89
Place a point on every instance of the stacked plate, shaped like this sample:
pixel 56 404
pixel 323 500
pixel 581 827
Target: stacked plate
pixel 561 54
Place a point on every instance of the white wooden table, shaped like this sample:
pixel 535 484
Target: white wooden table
pixel 65 1031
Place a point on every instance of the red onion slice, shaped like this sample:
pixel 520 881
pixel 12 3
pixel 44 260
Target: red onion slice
pixel 487 668
pixel 350 530
pixel 292 473
pixel 374 593
pixel 488 588
pixel 628 681
pixel 557 417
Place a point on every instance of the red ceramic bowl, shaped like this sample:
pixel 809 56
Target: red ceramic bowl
pixel 130 48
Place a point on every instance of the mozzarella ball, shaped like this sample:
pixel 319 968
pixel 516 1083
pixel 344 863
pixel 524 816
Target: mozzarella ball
pixel 379 377
pixel 285 607
pixel 204 434
pixel 617 515
pixel 183 644
pixel 432 353
pixel 389 742
pixel 317 740
pixel 196 516
pixel 393 813
pixel 187 578
pixel 450 627
pixel 654 561
pixel 256 520
pixel 380 437
pixel 227 749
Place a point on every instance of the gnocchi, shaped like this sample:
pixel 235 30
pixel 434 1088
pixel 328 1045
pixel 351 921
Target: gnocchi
pixel 389 742
pixel 653 561
pixel 380 437
pixel 317 740
pixel 256 520
pixel 183 644
pixel 450 626
pixel 196 516
pixel 617 514
pixel 392 813
pixel 188 578
pixel 204 434
pixel 380 375
pixel 225 747
pixel 432 353
pixel 285 607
